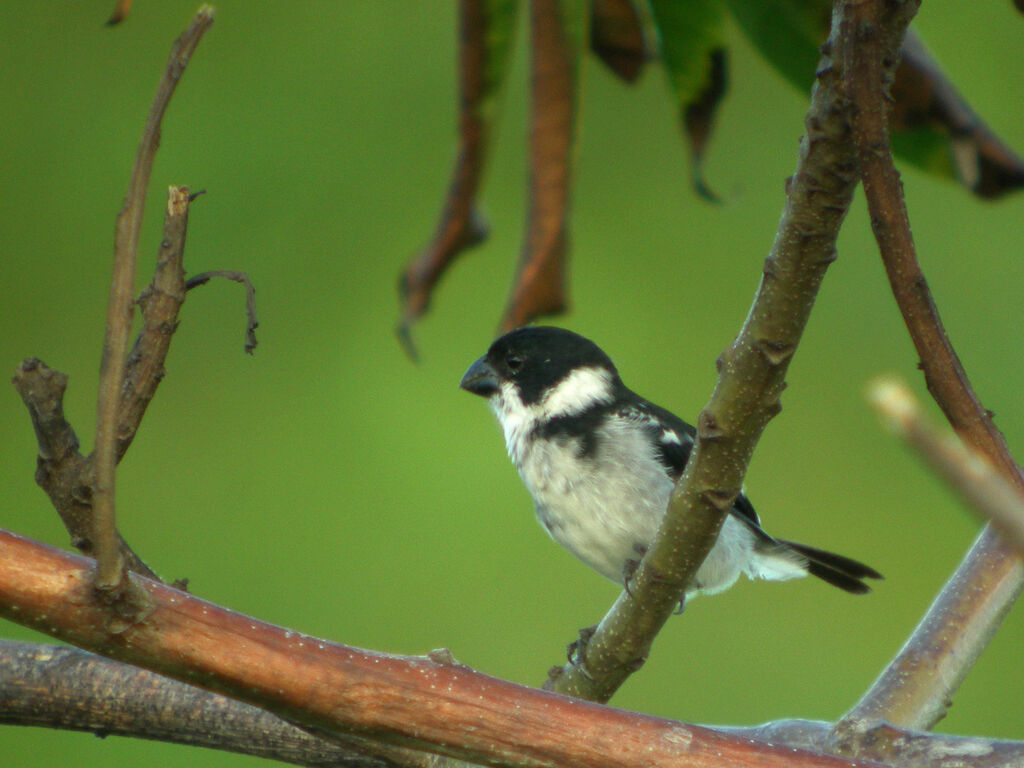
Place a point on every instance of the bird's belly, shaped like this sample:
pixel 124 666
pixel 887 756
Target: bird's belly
pixel 604 517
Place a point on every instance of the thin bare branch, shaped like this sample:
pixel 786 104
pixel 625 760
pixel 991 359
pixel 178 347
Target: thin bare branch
pixel 915 689
pixel 945 376
pixel 251 323
pixel 112 580
pixel 430 703
pixel 159 304
pixel 967 473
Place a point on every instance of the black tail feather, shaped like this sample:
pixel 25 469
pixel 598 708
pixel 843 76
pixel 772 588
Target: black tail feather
pixel 839 571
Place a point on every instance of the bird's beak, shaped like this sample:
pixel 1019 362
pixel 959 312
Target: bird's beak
pixel 480 379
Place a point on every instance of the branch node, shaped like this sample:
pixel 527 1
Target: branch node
pixel 721 499
pixel 777 351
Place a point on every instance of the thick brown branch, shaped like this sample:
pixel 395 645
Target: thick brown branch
pixel 46 686
pixel 112 578
pixel 430 703
pixel 915 688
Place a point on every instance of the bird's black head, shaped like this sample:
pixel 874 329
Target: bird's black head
pixel 535 360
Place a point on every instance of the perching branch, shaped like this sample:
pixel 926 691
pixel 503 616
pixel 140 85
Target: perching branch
pixel 112 580
pixel 915 689
pixel 44 685
pixel 751 378
pixel 430 703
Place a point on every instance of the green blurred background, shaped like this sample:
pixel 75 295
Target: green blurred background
pixel 330 485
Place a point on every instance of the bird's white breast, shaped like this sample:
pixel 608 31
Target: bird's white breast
pixel 603 505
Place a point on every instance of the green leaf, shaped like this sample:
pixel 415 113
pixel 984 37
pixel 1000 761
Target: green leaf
pixel 786 32
pixel 688 31
pixel 690 39
pixel 933 127
pixel 576 23
pixel 925 148
pixel 498 40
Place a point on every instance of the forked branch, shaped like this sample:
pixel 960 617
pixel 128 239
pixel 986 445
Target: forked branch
pixel 915 689
pixel 112 577
pixel 751 378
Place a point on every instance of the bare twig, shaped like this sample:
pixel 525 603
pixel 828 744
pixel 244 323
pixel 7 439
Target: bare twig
pixel 251 323
pixel 159 303
pixel 66 475
pixel 915 689
pixel 112 579
pixel 944 375
pixel 430 703
pixel 968 473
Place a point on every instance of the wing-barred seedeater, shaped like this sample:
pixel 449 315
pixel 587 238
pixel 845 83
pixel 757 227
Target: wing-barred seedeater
pixel 600 463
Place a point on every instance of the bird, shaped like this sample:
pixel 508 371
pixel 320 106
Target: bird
pixel 600 462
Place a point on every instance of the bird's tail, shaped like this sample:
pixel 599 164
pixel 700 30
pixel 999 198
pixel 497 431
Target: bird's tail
pixel 839 571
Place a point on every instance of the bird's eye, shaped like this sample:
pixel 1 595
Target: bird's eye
pixel 514 363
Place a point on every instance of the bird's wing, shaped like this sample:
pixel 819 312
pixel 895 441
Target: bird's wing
pixel 674 440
